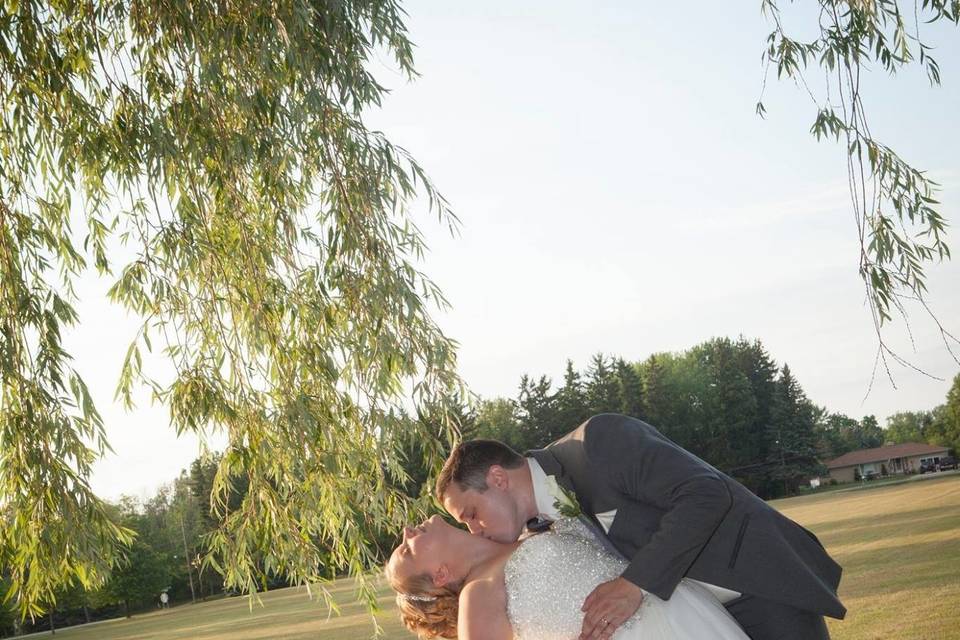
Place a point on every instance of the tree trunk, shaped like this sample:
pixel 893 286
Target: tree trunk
pixel 53 629
pixel 126 608
pixel 86 613
pixel 186 558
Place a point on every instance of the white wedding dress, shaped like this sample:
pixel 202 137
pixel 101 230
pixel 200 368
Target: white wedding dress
pixel 551 574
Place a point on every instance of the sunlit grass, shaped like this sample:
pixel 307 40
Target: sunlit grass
pixel 286 613
pixel 900 550
pixel 899 546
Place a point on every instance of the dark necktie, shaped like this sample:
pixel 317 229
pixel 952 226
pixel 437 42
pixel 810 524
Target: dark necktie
pixel 538 524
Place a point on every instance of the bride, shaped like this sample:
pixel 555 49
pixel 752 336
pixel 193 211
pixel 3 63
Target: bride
pixel 451 584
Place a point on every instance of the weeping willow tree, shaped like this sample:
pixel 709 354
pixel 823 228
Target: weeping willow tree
pixel 210 158
pixel 898 218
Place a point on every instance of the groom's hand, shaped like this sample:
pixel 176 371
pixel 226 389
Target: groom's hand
pixel 609 606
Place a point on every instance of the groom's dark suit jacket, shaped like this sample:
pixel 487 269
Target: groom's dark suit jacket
pixel 678 516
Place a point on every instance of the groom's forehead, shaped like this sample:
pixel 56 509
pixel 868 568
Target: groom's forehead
pixel 456 499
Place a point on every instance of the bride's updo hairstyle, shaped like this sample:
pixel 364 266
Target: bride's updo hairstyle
pixel 426 610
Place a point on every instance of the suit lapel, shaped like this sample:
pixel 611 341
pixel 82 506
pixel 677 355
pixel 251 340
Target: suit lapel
pixel 552 467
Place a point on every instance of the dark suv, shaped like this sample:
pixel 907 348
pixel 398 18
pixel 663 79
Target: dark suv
pixel 928 466
pixel 948 463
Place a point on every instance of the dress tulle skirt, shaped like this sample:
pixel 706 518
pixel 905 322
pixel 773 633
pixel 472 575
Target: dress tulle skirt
pixel 692 613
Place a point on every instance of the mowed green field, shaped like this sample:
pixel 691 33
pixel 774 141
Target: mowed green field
pixel 900 551
pixel 899 546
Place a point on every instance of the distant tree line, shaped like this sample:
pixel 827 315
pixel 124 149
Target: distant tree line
pixel 725 400
pixel 166 555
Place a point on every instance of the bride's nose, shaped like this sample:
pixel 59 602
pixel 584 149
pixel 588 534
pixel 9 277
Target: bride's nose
pixel 408 533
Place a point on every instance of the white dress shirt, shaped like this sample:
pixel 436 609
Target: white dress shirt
pixel 541 491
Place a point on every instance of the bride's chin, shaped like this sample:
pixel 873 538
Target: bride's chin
pixel 456 533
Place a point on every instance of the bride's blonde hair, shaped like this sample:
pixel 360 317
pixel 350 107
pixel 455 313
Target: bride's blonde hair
pixel 426 610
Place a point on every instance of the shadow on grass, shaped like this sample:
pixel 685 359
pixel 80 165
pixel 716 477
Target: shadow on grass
pixel 901 568
pixel 871 528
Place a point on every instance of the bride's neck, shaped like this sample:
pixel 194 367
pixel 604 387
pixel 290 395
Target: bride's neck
pixel 475 553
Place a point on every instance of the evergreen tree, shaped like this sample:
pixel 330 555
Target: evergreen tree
pixel 792 441
pixel 656 391
pixel 602 386
pixel 629 389
pixel 761 372
pixel 729 407
pixel 536 412
pixel 203 472
pixel 572 407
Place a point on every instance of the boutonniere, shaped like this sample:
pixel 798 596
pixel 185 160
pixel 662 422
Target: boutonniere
pixel 564 501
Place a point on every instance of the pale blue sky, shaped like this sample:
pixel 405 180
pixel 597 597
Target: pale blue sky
pixel 619 194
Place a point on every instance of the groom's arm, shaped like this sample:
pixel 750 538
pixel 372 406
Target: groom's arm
pixel 652 470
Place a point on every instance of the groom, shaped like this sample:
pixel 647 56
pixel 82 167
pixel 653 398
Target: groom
pixel 670 514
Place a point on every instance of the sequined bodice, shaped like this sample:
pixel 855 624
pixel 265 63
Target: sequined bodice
pixel 548 578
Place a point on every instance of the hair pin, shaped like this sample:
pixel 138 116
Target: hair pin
pixel 407 596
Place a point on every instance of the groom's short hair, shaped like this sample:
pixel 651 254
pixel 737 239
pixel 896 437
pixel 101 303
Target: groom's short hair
pixel 468 463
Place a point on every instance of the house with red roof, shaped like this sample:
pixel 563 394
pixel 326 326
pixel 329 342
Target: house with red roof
pixel 888 460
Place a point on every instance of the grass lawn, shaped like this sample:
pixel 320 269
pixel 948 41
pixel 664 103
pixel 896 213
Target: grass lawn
pixel 900 550
pixel 899 546
pixel 286 613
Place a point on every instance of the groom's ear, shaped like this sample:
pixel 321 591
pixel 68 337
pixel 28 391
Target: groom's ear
pixel 497 477
pixel 441 576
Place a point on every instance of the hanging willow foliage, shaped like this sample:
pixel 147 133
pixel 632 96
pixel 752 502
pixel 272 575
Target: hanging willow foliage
pixel 222 145
pixel 898 219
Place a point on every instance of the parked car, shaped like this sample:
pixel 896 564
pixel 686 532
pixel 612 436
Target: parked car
pixel 928 466
pixel 871 475
pixel 948 463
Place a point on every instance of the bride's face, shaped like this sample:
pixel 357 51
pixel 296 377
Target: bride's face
pixel 424 548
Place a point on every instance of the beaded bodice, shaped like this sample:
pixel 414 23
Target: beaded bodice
pixel 550 575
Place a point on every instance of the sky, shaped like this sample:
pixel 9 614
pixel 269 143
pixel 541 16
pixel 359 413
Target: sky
pixel 617 193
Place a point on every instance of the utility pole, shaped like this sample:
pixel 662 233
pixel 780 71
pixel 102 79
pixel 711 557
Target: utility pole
pixel 186 558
